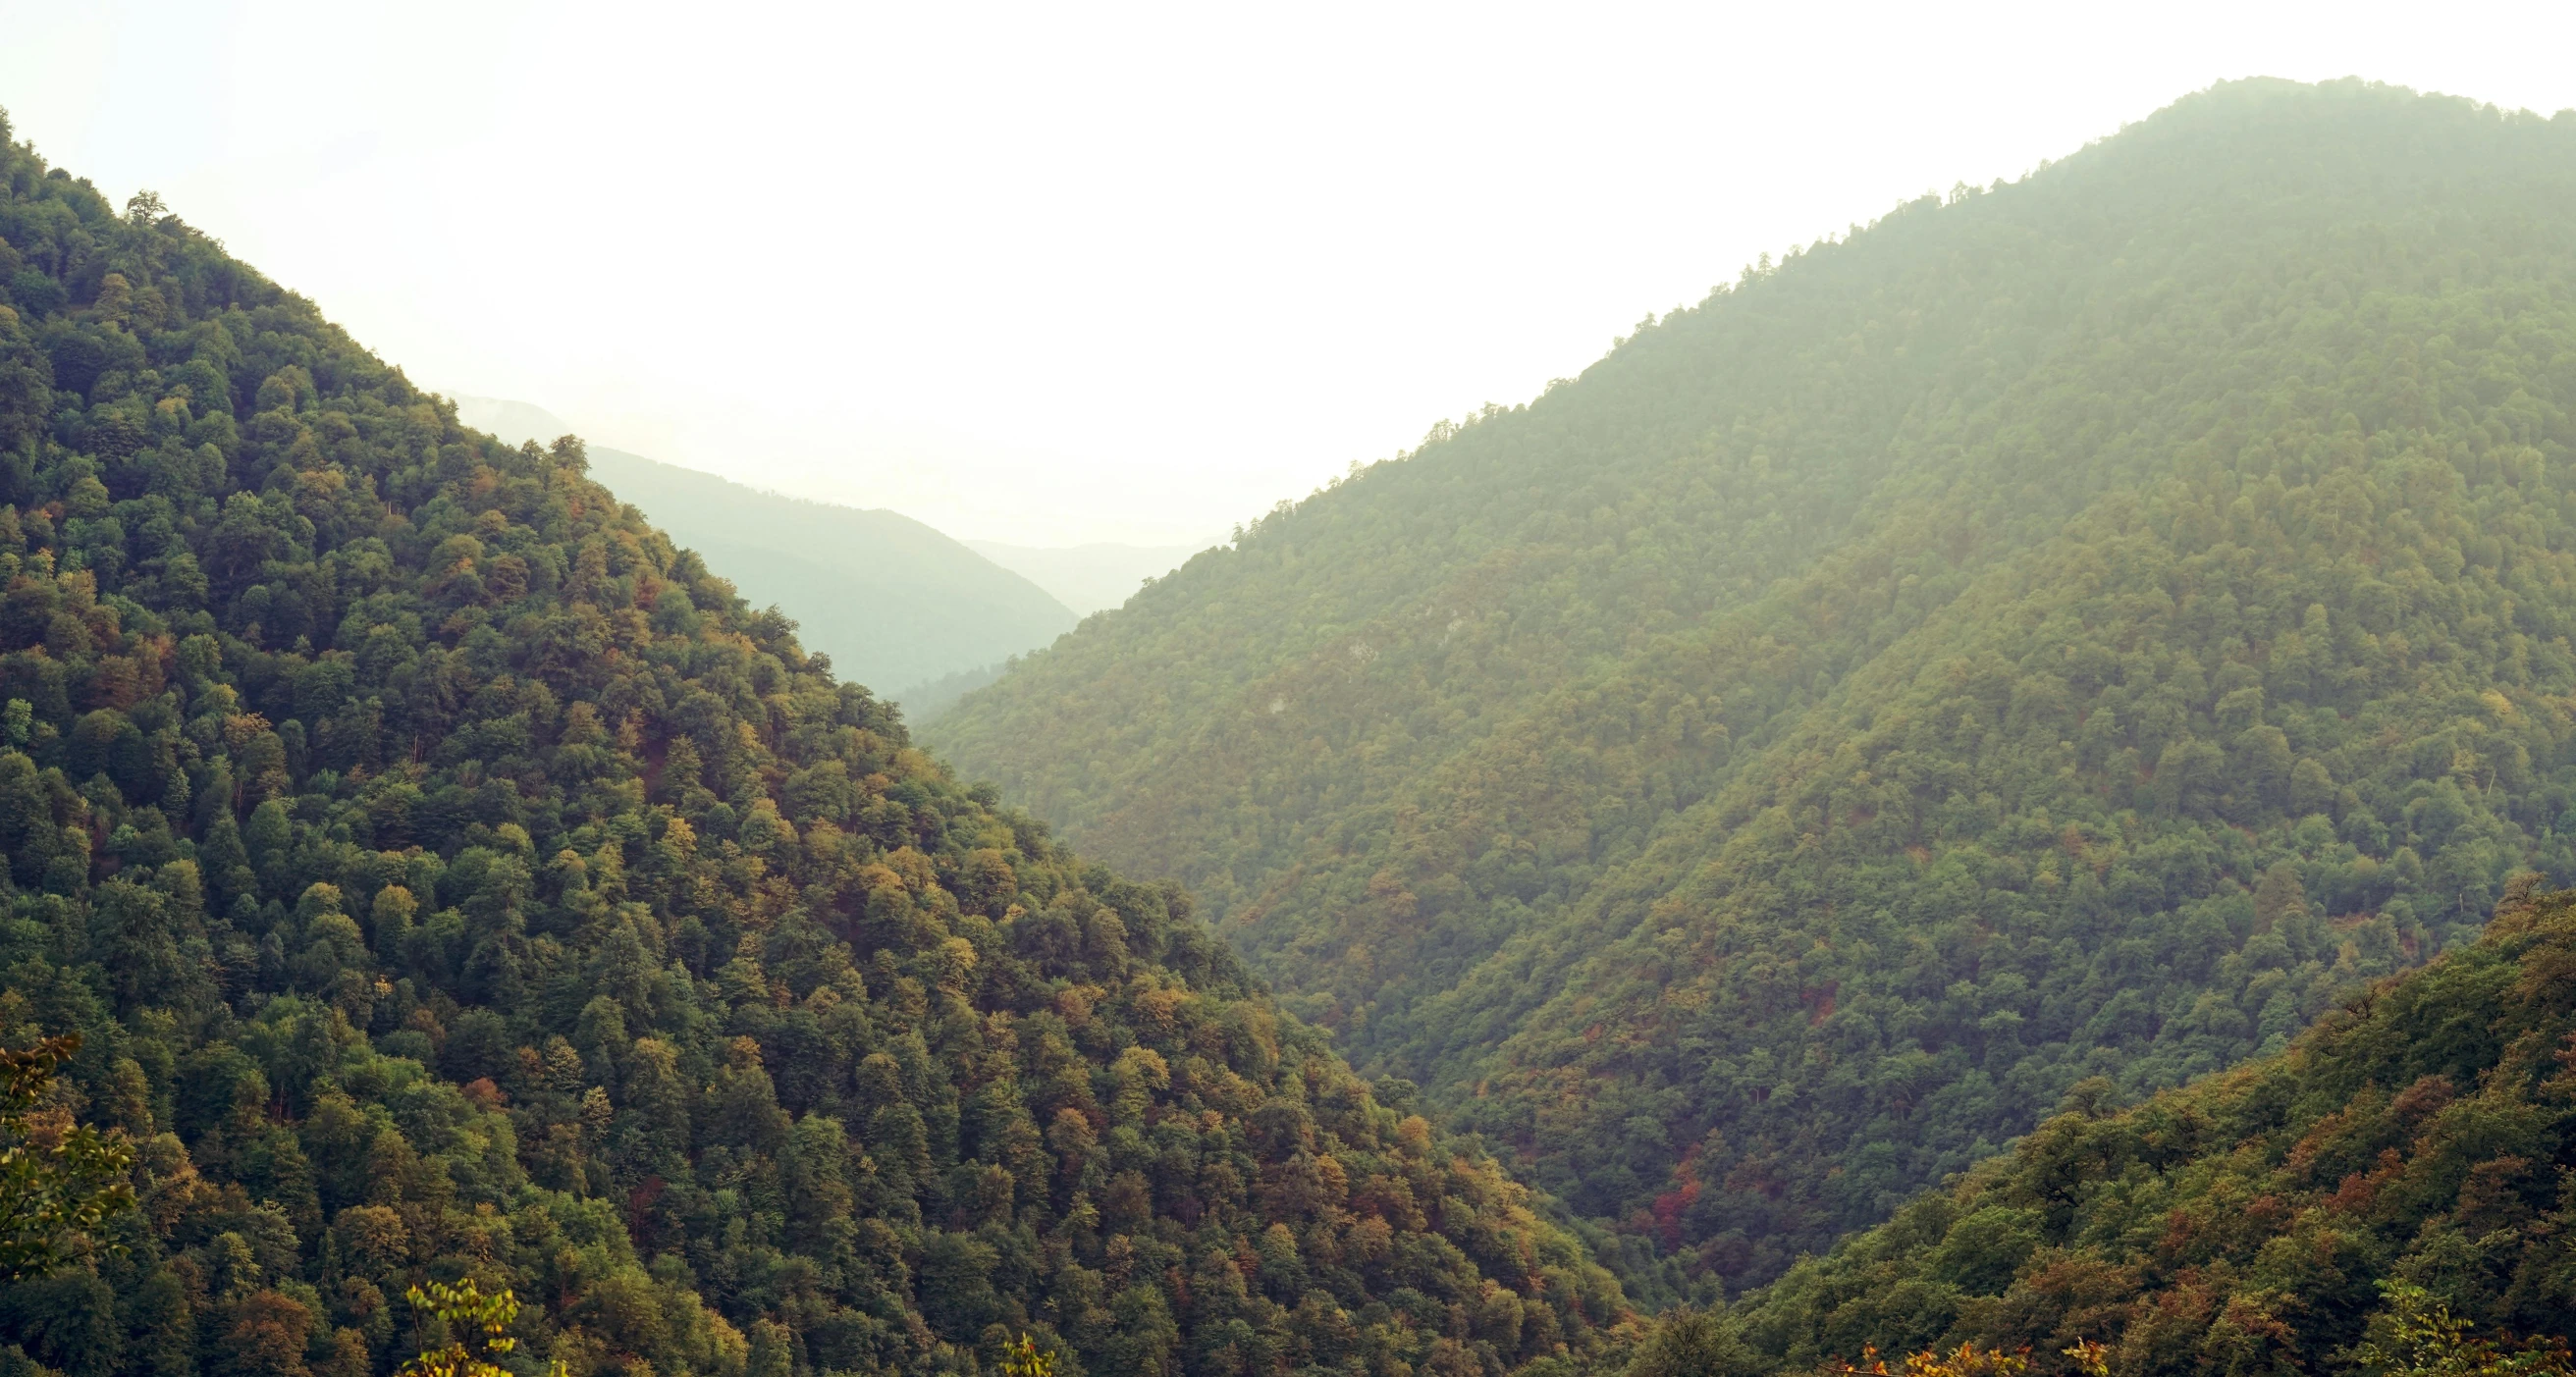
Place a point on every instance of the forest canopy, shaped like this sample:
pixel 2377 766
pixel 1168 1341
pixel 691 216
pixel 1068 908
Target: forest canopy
pixel 2075 627
pixel 2406 1156
pixel 2063 642
pixel 451 883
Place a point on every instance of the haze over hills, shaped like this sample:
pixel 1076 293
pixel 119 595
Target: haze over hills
pixel 895 603
pixel 2056 643
pixel 1088 578
pixel 2072 628
pixel 451 879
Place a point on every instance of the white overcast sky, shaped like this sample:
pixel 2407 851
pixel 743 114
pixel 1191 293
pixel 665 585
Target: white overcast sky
pixel 1058 273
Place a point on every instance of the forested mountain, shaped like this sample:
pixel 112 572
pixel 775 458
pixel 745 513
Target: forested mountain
pixel 450 879
pixel 2075 627
pixel 2418 1136
pixel 895 603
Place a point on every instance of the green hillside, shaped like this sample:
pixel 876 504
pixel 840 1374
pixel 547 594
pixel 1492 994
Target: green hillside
pixel 894 603
pixel 2077 627
pixel 450 878
pixel 2420 1135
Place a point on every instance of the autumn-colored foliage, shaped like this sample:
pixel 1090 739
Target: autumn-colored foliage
pixel 1966 1360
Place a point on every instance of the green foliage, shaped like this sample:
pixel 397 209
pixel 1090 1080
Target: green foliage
pixel 479 1326
pixel 59 1181
pixel 1690 1343
pixel 1023 1358
pixel 2418 1336
pixel 2377 1195
pixel 452 882
pixel 2072 630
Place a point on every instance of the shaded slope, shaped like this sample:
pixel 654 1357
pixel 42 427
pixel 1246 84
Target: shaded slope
pixel 451 876
pixel 2072 629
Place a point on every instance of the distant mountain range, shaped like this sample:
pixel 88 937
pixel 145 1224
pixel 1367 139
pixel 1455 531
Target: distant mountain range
pixel 944 615
pixel 894 602
pixel 1089 578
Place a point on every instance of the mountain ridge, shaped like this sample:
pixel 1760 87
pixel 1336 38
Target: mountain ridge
pixel 1744 780
pixel 450 878
pixel 897 603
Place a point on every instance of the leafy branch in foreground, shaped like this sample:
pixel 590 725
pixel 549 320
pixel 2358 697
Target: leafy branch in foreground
pixel 1967 1360
pixel 58 1180
pixel 478 1326
pixel 1023 1358
pixel 2418 1336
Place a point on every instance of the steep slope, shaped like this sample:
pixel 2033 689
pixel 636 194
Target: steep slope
pixel 2420 1134
pixel 450 877
pixel 2071 629
pixel 893 602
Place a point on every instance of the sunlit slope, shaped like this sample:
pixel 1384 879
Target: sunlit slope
pixel 449 876
pixel 2249 1222
pixel 2074 628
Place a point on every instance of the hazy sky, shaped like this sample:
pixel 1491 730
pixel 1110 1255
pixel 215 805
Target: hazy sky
pixel 1058 273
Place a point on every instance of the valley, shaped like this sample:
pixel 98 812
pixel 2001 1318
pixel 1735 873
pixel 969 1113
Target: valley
pixel 1998 795
pixel 2065 629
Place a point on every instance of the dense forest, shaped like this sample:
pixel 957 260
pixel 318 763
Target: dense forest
pixel 2076 627
pixel 897 605
pixel 449 881
pixel 2063 642
pixel 2259 1221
